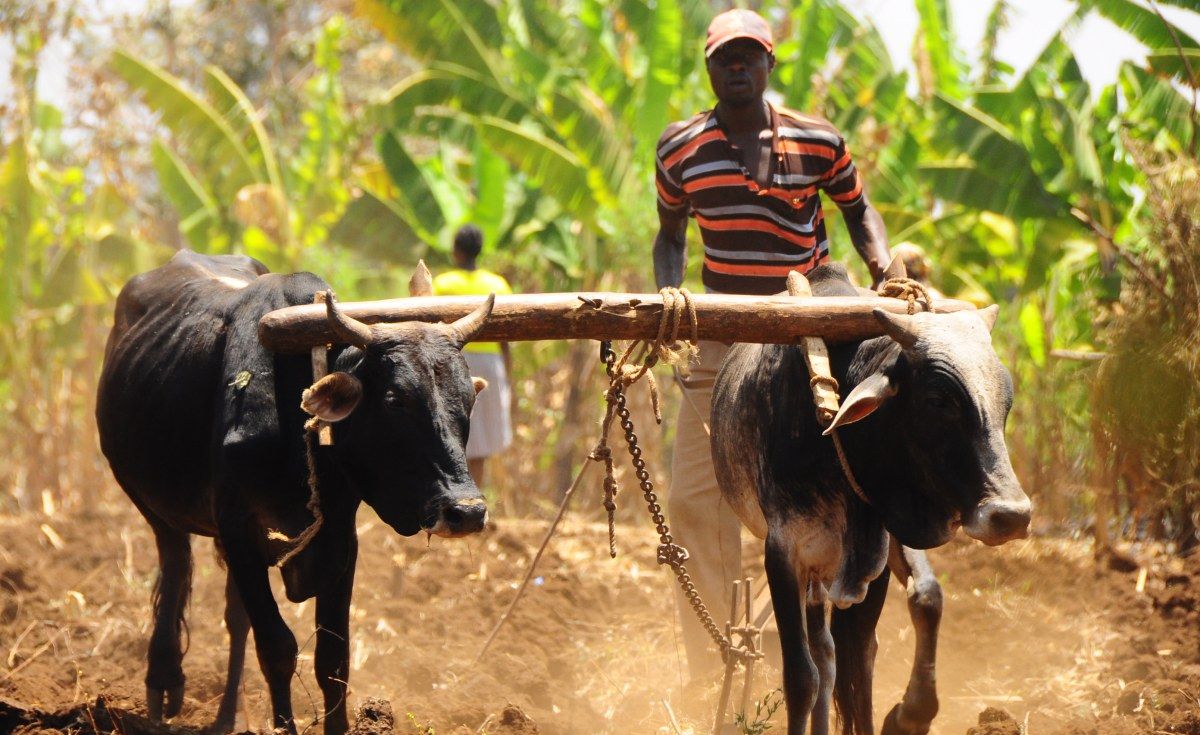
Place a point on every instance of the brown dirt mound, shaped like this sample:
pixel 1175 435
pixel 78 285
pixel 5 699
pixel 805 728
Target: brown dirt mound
pixel 1155 668
pixel 995 721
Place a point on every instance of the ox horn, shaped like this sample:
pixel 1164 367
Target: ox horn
pixel 464 330
pixel 899 327
pixel 988 315
pixel 421 283
pixel 895 269
pixel 346 329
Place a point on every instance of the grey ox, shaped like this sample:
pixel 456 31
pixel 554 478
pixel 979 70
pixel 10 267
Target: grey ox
pixel 922 426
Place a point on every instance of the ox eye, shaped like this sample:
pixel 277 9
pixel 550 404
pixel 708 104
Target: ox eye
pixel 942 401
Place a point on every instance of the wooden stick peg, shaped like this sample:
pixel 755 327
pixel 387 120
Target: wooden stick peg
pixel 320 368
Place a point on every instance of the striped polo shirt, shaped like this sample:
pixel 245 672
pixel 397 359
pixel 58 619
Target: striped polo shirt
pixel 753 236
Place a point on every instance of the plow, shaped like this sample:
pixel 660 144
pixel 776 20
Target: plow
pixel 664 326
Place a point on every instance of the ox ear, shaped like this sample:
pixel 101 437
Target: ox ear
pixel 333 397
pixel 989 315
pixel 479 383
pixel 863 400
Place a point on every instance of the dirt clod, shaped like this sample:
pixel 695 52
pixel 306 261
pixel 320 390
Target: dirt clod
pixel 995 721
pixel 513 721
pixel 374 717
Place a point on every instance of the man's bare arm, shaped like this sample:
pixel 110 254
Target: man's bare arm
pixel 670 249
pixel 869 236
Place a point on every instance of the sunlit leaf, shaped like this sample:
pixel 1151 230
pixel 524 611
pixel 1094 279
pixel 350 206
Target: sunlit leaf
pixel 463 32
pixel 1033 332
pixel 491 173
pixel 233 104
pixel 413 193
pixel 554 168
pixel 451 86
pixel 377 230
pixel 1142 23
pixel 1181 64
pixel 197 208
pixel 664 44
pixel 209 138
pixel 938 39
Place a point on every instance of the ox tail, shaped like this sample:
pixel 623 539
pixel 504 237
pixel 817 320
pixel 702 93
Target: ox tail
pixel 173 588
pixel 854 645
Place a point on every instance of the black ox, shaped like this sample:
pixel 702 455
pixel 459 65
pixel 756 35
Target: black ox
pixel 922 426
pixel 204 430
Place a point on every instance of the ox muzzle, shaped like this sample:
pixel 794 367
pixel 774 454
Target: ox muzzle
pixel 453 517
pixel 998 520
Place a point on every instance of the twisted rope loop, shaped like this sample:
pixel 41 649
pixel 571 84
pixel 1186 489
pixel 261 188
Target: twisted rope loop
pixel 301 542
pixel 641 355
pixel 907 288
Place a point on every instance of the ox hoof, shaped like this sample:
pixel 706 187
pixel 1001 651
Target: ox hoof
pixel 226 724
pixel 160 704
pixel 892 726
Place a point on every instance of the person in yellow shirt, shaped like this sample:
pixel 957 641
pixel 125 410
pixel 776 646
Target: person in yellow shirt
pixel 491 425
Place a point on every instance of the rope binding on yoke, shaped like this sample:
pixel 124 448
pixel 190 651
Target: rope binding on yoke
pixel 908 289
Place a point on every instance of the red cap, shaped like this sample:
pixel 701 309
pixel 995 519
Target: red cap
pixel 734 24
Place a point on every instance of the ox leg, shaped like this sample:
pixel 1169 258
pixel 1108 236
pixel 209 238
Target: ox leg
pixel 164 673
pixel 916 711
pixel 820 643
pixel 333 645
pixel 855 647
pixel 238 625
pixel 789 588
pixel 273 641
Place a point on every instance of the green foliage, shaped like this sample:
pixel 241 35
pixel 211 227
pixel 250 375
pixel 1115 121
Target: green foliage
pixel 193 121
pixel 764 710
pixel 1147 399
pixel 221 171
pixel 536 119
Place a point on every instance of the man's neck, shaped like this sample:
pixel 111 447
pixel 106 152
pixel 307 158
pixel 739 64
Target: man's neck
pixel 750 118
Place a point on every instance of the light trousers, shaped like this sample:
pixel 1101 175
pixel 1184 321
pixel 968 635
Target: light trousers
pixel 701 521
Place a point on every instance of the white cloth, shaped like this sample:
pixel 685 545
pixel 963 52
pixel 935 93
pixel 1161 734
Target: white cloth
pixel 491 427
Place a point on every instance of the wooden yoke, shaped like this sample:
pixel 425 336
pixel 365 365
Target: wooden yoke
pixel 824 386
pixel 320 368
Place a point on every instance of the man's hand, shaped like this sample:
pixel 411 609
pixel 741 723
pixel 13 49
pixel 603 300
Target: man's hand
pixel 869 236
pixel 670 249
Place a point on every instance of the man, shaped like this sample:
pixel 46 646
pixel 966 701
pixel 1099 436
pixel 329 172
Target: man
pixel 491 426
pixel 749 172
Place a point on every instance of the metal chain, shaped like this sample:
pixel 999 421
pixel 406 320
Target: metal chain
pixel 669 552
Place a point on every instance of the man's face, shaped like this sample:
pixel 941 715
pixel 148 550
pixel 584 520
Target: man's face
pixel 739 70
